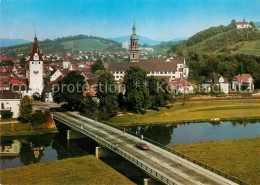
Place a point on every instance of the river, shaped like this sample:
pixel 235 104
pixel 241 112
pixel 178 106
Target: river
pixel 25 150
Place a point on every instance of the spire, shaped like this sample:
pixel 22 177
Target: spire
pixel 66 58
pixel 35 37
pixel 134 29
pixel 35 49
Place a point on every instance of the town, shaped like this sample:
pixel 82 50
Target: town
pixel 129 110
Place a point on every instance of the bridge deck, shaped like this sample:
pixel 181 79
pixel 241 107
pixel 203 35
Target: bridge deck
pixel 179 170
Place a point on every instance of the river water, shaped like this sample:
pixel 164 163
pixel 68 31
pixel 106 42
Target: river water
pixel 25 150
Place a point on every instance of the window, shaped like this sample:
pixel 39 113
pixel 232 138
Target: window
pixel 2 106
pixel 133 55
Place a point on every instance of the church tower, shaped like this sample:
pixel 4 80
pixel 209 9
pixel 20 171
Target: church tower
pixel 36 70
pixel 134 51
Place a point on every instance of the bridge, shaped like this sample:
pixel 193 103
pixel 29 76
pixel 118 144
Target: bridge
pixel 158 163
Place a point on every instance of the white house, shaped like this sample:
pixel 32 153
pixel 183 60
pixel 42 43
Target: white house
pixel 10 101
pixel 182 86
pixel 216 82
pixel 243 80
pixel 244 24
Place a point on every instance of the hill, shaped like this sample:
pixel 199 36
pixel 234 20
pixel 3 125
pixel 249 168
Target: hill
pixel 147 41
pixel 222 39
pixel 223 49
pixel 142 40
pixel 11 42
pixel 60 45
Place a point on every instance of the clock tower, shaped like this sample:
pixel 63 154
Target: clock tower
pixel 134 51
pixel 36 70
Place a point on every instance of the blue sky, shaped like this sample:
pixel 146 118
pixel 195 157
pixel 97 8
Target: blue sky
pixel 157 19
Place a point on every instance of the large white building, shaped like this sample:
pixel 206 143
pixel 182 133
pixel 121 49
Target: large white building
pixel 125 45
pixel 162 68
pixel 36 70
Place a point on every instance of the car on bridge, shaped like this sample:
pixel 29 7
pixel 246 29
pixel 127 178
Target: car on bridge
pixel 142 146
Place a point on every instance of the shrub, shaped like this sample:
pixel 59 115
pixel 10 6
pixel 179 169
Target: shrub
pixel 6 114
pixel 37 118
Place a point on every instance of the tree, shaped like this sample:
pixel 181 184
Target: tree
pixel 26 109
pixel 89 106
pixel 70 89
pixel 137 94
pixel 107 95
pixel 38 118
pixel 98 65
pixel 252 24
pixel 6 63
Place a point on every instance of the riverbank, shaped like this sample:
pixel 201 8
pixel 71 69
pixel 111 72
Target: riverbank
pixel 17 128
pixel 82 170
pixel 239 158
pixel 194 111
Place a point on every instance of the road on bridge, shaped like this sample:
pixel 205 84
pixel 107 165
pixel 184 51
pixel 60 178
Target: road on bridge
pixel 175 167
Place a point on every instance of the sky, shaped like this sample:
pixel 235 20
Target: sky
pixel 160 20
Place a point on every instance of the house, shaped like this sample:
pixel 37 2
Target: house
pixel 10 101
pixel 242 81
pixel 182 86
pixel 244 24
pixel 216 82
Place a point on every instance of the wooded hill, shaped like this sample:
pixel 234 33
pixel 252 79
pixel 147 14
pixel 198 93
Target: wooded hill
pixel 60 45
pixel 223 49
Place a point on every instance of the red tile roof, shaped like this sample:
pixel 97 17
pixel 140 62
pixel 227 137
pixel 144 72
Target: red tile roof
pixel 2 58
pixel 242 23
pixel 242 78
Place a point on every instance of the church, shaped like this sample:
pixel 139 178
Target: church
pixel 168 69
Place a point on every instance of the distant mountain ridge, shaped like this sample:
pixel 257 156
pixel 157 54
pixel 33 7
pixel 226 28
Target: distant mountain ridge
pixel 143 40
pixel 12 42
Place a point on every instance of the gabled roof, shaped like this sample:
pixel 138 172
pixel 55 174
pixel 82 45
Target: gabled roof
pixel 243 78
pixel 148 65
pixel 35 49
pixel 242 23
pixel 214 78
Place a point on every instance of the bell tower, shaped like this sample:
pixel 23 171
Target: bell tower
pixel 36 70
pixel 134 51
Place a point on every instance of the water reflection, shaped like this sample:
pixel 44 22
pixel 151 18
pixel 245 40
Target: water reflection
pixel 25 150
pixel 199 132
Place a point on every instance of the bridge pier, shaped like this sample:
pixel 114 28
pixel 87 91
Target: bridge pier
pixel 71 134
pixel 102 152
pixel 149 181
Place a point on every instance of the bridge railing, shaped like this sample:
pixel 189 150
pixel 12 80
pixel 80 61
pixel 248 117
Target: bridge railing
pixel 124 154
pixel 214 170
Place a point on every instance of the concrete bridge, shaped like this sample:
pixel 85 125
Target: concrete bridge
pixel 158 163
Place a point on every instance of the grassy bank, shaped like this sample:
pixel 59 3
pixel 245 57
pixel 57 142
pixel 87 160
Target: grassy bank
pixel 83 170
pixel 240 158
pixel 13 129
pixel 194 111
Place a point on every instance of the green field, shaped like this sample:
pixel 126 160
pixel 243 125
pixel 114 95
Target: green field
pixel 14 129
pixel 83 170
pixel 85 45
pixel 240 158
pixel 251 47
pixel 194 111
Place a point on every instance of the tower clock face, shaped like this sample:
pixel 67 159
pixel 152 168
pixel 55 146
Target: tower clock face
pixel 35 72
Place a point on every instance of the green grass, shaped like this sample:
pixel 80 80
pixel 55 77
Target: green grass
pixel 251 47
pixel 83 170
pixel 194 111
pixel 85 44
pixel 13 129
pixel 239 158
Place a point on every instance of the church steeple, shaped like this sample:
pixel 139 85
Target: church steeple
pixel 36 53
pixel 134 51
